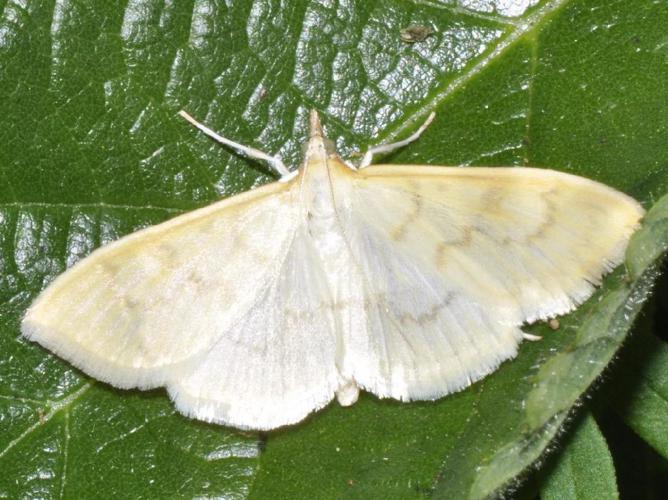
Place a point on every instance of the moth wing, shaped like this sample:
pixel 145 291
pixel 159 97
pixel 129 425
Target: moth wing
pixel 454 260
pixel 277 363
pixel 134 309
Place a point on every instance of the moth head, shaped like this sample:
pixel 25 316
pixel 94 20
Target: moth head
pixel 318 147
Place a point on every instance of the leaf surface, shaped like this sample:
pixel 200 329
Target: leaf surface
pixel 91 149
pixel 584 469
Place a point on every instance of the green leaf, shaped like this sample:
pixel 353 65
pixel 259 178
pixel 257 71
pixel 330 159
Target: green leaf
pixel 652 243
pixel 645 380
pixel 641 390
pixel 584 468
pixel 91 149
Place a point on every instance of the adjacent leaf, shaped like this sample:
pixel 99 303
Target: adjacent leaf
pixel 641 472
pixel 645 378
pixel 584 468
pixel 91 149
pixel 652 243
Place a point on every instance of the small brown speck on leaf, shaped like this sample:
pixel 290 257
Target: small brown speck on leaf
pixel 416 33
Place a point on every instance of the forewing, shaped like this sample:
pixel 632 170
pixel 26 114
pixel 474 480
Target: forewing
pixel 454 260
pixel 134 309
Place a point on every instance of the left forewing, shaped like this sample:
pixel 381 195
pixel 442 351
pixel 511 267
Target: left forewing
pixel 454 260
pixel 537 239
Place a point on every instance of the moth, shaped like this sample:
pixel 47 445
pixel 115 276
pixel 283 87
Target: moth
pixel 407 281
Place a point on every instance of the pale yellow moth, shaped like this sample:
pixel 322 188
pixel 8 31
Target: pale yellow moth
pixel 408 281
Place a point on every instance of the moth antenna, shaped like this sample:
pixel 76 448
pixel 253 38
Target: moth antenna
pixel 386 148
pixel 274 161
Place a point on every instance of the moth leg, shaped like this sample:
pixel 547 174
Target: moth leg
pixel 274 161
pixel 386 148
pixel 348 393
pixel 533 338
